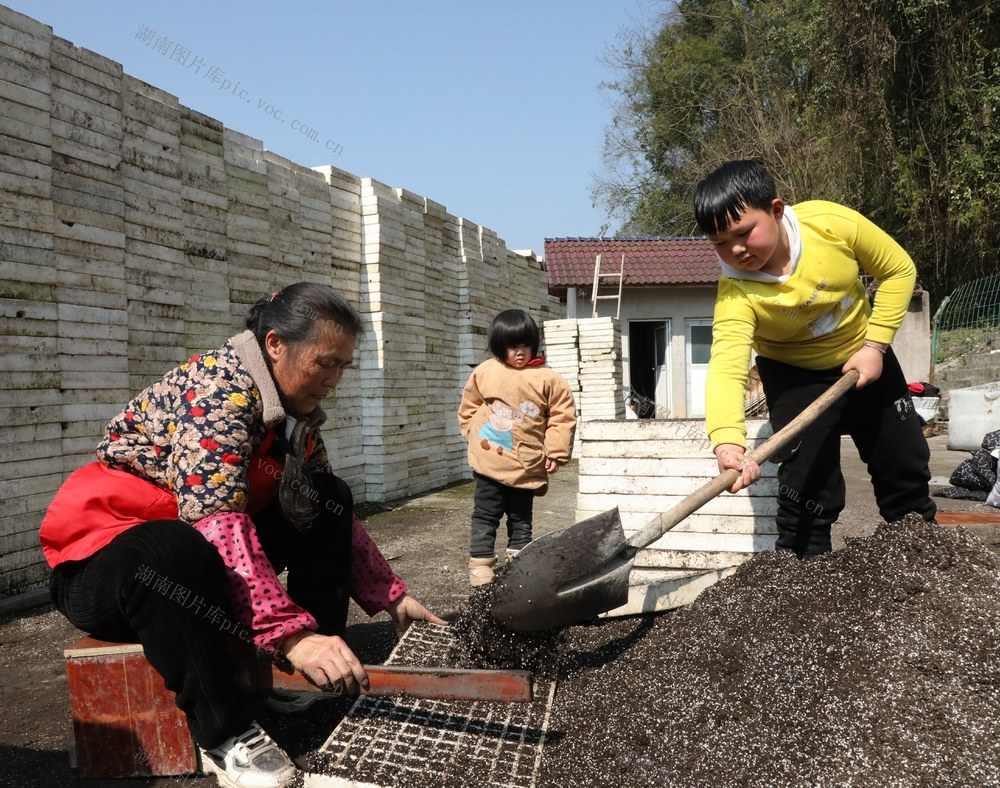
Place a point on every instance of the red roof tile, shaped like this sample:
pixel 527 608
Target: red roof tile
pixel 648 261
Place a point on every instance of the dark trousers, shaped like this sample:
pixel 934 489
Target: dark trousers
pixel 161 583
pixel 318 559
pixel 886 430
pixel 132 589
pixel 492 501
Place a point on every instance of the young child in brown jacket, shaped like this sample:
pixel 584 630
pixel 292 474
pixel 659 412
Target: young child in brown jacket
pixel 519 418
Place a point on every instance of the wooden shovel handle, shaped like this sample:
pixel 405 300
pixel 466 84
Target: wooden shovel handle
pixel 707 492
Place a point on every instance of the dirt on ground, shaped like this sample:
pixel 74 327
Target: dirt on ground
pixel 426 541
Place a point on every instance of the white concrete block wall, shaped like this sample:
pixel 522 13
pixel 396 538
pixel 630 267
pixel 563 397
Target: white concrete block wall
pixel 30 414
pixel 600 344
pixel 205 206
pixel 157 283
pixel 137 231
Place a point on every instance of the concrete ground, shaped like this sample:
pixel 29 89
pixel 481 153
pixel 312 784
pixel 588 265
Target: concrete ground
pixel 861 514
pixel 426 540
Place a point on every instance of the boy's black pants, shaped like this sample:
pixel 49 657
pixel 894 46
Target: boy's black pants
pixel 492 501
pixel 884 426
pixel 161 583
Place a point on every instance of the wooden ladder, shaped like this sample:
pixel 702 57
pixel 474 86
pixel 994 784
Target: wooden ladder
pixel 600 275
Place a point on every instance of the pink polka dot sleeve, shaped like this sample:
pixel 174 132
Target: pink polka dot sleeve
pixel 259 600
pixel 374 586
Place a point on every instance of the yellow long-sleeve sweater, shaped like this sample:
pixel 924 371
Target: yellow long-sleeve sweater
pixel 816 318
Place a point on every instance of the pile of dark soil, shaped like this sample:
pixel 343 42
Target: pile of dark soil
pixel 878 664
pixel 875 665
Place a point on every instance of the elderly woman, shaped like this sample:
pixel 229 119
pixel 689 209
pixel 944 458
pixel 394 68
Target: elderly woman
pixel 211 482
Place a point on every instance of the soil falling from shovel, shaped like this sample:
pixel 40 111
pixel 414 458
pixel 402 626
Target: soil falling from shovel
pixel 482 642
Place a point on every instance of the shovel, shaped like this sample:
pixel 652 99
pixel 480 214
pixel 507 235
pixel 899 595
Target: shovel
pixel 582 570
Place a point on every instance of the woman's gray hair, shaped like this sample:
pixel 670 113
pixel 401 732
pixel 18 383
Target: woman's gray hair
pixel 297 313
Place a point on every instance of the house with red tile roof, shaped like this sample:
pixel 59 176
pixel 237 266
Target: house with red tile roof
pixel 668 288
pixel 667 299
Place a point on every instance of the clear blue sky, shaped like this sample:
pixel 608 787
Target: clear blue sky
pixel 491 108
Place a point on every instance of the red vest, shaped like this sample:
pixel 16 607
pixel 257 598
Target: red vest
pixel 96 503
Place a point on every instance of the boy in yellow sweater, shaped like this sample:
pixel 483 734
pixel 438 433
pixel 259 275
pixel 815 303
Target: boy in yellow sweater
pixel 791 291
pixel 519 419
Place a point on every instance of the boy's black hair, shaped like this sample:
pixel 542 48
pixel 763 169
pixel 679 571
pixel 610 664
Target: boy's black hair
pixel 723 195
pixel 511 328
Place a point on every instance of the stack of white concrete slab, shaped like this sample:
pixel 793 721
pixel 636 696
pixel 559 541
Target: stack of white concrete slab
pixel 444 274
pixel 344 206
pixel 30 403
pixel 562 354
pixel 441 453
pixel 332 242
pixel 284 217
pixel 89 242
pixel 205 207
pixel 646 467
pixel 247 226
pixel 600 369
pixel 330 237
pixel 472 339
pixel 419 403
pixel 383 247
pixel 158 284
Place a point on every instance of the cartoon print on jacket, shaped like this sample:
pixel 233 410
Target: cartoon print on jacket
pixel 541 427
pixel 498 428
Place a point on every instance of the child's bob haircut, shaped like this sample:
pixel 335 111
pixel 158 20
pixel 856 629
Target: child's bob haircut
pixel 723 195
pixel 511 328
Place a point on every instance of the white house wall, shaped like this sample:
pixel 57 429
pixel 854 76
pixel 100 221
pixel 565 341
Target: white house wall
pixel 676 304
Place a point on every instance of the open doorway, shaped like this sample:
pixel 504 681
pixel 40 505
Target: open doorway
pixel 649 367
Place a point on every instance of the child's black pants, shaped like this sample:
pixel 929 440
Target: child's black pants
pixel 492 501
pixel 884 426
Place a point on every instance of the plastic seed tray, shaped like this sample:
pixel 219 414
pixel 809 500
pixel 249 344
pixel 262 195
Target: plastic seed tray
pixel 401 742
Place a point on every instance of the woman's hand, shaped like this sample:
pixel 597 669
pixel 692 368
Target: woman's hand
pixel 326 660
pixel 732 455
pixel 868 362
pixel 405 610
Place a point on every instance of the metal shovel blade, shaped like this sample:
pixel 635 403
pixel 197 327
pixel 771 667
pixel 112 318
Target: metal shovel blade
pixel 583 570
pixel 566 576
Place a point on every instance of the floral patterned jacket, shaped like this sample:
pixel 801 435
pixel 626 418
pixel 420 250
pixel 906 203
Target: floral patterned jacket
pixel 192 434
pixel 193 431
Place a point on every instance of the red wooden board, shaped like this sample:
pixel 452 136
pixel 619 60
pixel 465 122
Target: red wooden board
pixel 125 722
pixel 968 518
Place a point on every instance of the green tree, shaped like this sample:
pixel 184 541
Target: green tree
pixel 885 105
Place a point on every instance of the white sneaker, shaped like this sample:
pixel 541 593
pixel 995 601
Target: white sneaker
pixel 250 760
